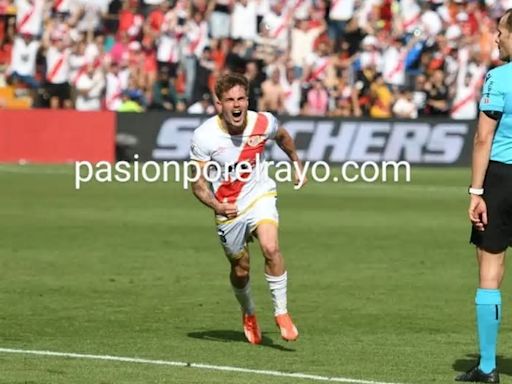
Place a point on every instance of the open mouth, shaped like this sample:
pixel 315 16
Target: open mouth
pixel 237 114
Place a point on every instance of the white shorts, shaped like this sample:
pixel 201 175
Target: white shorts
pixel 234 234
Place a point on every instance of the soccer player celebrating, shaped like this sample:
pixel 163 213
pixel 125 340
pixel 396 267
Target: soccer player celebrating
pixel 490 207
pixel 245 202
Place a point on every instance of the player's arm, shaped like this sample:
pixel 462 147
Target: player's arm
pixel 287 144
pixel 202 191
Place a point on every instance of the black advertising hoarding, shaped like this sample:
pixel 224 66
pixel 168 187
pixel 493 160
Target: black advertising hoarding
pixel 163 136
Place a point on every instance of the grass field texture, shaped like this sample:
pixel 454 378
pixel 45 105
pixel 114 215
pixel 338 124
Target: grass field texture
pixel 381 283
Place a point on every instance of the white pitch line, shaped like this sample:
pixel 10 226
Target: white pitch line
pixel 297 375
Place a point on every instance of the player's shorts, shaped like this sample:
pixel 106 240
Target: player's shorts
pixel 235 233
pixel 497 236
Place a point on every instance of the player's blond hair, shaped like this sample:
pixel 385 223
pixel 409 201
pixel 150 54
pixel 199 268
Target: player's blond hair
pixel 228 81
pixel 508 22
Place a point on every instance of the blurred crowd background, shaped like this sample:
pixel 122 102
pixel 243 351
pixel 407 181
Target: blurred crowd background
pixel 371 58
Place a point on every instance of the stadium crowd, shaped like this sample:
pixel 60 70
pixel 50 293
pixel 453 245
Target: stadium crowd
pixel 376 58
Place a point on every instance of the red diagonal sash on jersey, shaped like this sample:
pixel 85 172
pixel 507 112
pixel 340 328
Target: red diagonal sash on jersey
pixel 195 43
pixel 399 66
pixel 287 19
pixel 26 17
pixel 411 21
pixel 475 84
pixel 83 69
pixel 230 190
pixel 57 4
pixel 319 70
pixel 56 67
pixel 462 102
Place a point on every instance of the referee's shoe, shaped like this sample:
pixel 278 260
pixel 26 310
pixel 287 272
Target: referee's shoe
pixel 475 375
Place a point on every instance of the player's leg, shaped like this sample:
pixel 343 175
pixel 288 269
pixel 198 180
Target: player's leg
pixel 264 221
pixel 240 282
pixel 233 237
pixel 277 277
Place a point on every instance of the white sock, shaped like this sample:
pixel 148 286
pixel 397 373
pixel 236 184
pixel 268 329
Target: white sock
pixel 244 297
pixel 277 285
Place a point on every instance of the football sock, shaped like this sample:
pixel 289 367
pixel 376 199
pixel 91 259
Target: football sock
pixel 277 285
pixel 244 297
pixel 488 315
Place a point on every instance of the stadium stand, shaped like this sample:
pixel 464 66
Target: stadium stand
pixel 373 58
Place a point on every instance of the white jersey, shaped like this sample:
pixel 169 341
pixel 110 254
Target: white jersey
pixel 211 142
pixel 23 58
pixel 29 17
pixel 57 65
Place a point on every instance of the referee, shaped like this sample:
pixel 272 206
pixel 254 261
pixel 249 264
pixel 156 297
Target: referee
pixel 490 207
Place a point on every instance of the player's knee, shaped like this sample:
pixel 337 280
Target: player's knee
pixel 240 272
pixel 271 251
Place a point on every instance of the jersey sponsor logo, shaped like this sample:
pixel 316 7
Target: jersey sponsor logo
pixel 334 141
pixel 255 140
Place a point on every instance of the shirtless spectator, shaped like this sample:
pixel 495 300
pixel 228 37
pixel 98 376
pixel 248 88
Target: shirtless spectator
pixel 272 99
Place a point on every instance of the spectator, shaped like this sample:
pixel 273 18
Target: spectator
pixel 273 96
pixel 204 70
pixel 168 50
pixel 292 92
pixel 276 22
pixel 340 12
pixel 196 37
pixel 23 60
pixel 404 106
pixel 419 94
pixel 164 95
pixel 202 106
pixel 437 94
pixel 256 78
pixel 89 87
pixel 243 20
pixel 221 18
pixel 468 84
pixel 381 99
pixel 130 20
pixel 58 72
pixel 302 43
pixel 116 83
pixel 409 41
pixel 317 100
pixel 29 17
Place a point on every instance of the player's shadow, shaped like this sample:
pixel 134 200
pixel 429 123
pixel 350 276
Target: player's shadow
pixel 465 364
pixel 230 336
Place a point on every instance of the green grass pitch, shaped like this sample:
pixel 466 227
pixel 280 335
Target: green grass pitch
pixel 381 282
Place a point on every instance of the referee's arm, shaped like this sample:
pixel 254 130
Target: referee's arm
pixel 487 123
pixel 482 143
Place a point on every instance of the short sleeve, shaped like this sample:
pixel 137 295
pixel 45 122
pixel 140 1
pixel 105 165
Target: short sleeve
pixel 198 150
pixel 273 124
pixel 493 96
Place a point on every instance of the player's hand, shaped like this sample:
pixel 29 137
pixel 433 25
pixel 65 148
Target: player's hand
pixel 478 212
pixel 297 180
pixel 300 182
pixel 228 210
